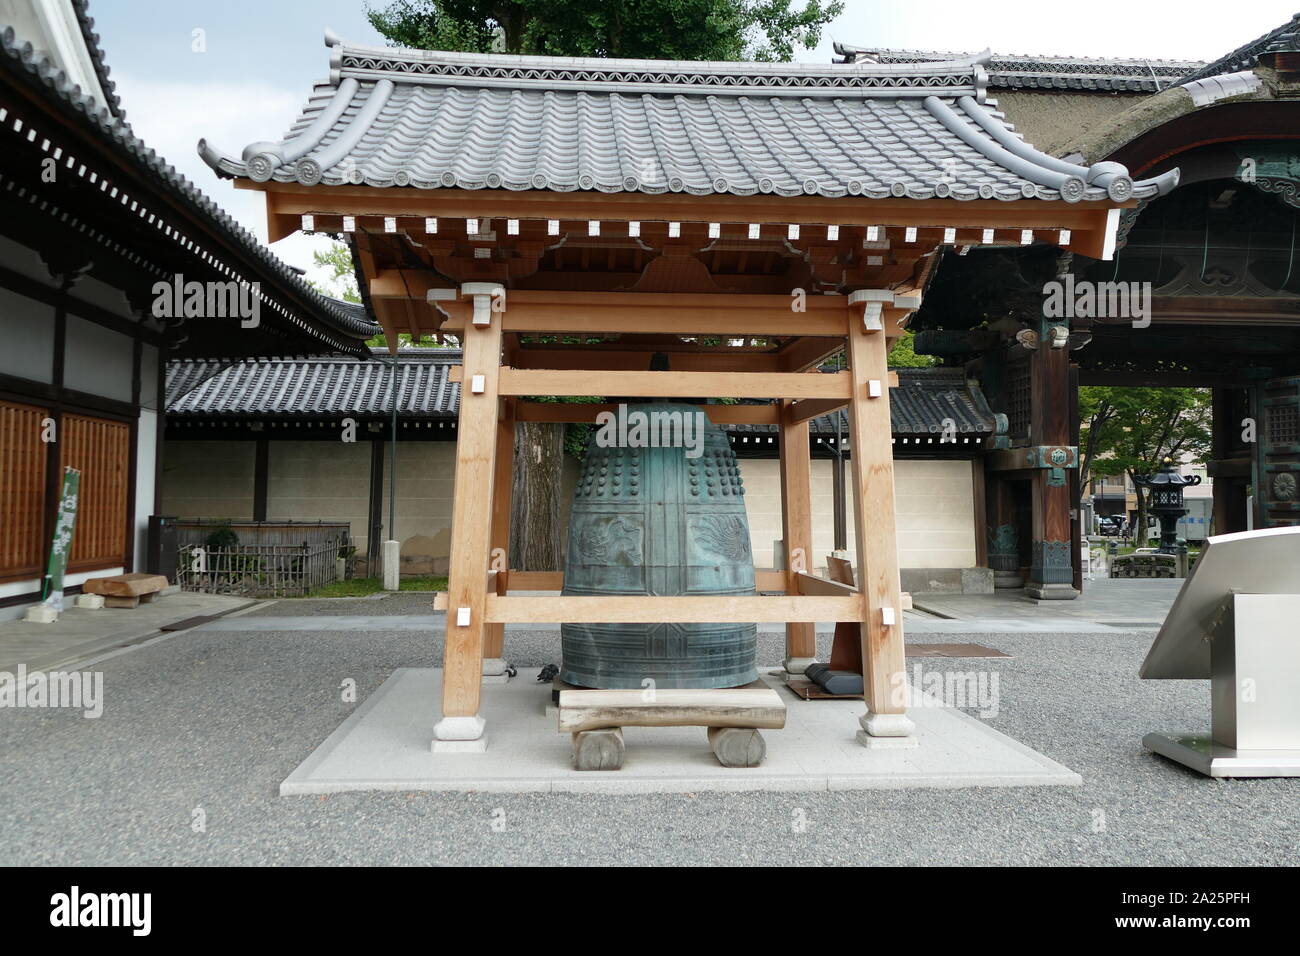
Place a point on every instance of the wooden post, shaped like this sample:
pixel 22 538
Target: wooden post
pixel 796 532
pixel 461 727
pixel 1051 573
pixel 872 485
pixel 1003 532
pixel 1231 459
pixel 494 663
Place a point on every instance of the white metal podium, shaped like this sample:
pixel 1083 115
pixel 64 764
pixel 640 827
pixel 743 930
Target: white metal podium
pixel 1236 621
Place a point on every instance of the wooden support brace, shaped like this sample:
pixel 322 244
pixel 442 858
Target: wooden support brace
pixel 872 469
pixel 502 485
pixel 471 533
pixel 796 531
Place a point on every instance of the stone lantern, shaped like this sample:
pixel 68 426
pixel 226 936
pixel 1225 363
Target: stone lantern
pixel 1167 501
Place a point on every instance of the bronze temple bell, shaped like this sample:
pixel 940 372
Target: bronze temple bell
pixel 659 511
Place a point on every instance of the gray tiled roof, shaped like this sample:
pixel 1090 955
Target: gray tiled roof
pixel 314 387
pixel 1016 71
pixel 340 328
pixel 331 386
pixel 431 119
pixel 1285 37
pixel 87 24
pixel 924 399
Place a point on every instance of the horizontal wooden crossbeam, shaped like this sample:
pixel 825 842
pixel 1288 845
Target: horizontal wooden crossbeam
pixel 723 360
pixel 638 609
pixel 287 202
pixel 571 382
pixel 766 580
pixel 585 414
pixel 668 313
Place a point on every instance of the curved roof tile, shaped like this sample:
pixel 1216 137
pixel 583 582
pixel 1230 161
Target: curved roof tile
pixel 110 124
pixel 434 119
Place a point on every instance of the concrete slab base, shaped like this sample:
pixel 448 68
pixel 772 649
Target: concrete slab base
pixel 886 743
pixel 459 746
pixel 1202 754
pixel 384 745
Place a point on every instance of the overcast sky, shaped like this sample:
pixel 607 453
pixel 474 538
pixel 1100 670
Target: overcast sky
pixel 262 57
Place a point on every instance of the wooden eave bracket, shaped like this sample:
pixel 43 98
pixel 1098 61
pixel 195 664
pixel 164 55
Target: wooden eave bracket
pixel 484 296
pixel 874 303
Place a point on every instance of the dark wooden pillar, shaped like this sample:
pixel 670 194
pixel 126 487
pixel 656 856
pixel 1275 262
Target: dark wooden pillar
pixel 1051 571
pixel 261 478
pixel 1076 492
pixel 375 515
pixel 1003 533
pixel 1230 465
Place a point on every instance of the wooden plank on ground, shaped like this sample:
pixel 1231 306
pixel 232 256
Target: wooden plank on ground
pixel 126 585
pixel 751 707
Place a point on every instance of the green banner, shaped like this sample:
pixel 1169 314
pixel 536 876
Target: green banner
pixel 64 527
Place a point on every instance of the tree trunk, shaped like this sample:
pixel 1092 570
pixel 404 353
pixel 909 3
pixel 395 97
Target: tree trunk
pixel 1140 532
pixel 535 543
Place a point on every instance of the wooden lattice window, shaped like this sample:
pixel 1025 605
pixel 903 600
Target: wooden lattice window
pixel 22 491
pixel 1284 425
pixel 101 450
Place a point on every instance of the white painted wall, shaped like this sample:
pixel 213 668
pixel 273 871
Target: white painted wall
pixel 27 331
pixel 934 512
pixel 208 479
pixel 330 480
pixel 97 360
pixel 319 481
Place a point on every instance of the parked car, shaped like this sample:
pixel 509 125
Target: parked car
pixel 1112 525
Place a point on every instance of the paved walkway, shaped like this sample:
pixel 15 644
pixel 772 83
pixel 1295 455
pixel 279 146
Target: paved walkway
pixel 80 634
pixel 1132 602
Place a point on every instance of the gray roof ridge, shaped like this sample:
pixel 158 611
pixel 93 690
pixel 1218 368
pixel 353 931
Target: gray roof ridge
pixel 596 69
pixel 847 49
pixel 421 354
pixel 1245 56
pixel 87 24
pixel 1049 71
pixel 113 127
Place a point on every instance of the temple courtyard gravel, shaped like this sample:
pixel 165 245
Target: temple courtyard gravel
pixel 199 729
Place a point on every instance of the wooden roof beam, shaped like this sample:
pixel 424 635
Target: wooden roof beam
pixel 1088 223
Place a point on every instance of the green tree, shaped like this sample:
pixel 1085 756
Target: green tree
pixel 342 281
pixel 1131 431
pixel 903 354
pixel 637 29
pixel 342 284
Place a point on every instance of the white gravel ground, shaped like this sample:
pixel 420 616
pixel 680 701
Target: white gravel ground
pixel 213 721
